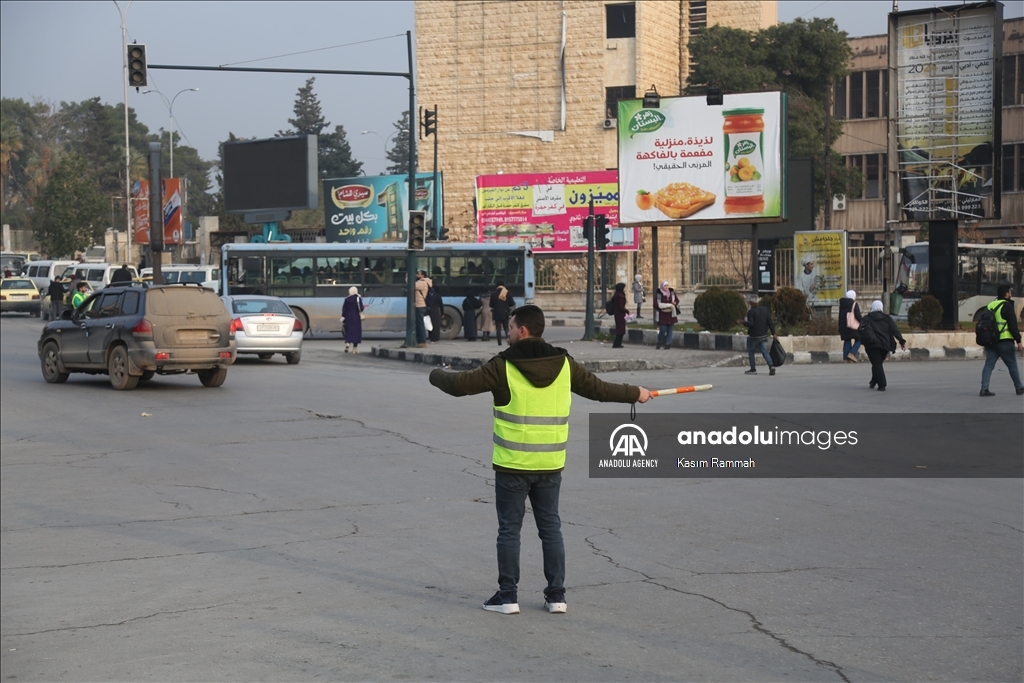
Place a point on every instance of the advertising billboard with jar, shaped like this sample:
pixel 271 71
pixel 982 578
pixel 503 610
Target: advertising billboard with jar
pixel 376 208
pixel 688 161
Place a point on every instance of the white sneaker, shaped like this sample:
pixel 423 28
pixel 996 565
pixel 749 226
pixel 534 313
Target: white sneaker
pixel 501 605
pixel 555 603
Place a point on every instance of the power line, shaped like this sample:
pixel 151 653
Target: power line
pixel 318 49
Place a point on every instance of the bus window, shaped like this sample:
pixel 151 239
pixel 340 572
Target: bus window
pixel 436 269
pixel 337 270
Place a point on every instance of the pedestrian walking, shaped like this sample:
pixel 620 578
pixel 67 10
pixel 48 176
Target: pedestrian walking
pixel 1009 334
pixel 849 326
pixel 121 276
pixel 352 316
pixel 434 310
pixel 501 304
pixel 56 293
pixel 758 323
pixel 881 343
pixel 666 312
pixel 423 285
pixel 619 305
pixel 531 383
pixel 638 293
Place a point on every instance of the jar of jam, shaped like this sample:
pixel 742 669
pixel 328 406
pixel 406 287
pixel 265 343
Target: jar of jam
pixel 743 131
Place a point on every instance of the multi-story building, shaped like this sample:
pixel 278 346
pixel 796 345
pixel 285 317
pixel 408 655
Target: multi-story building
pixel 861 101
pixel 532 85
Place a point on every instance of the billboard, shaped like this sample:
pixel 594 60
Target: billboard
pixel 688 161
pixel 948 110
pixel 819 265
pixel 273 174
pixel 546 210
pixel 376 208
pixel 172 210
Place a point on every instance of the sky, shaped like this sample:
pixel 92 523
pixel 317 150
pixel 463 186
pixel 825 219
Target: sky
pixel 72 51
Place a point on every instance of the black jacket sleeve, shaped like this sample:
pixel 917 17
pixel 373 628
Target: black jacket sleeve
pixel 1010 316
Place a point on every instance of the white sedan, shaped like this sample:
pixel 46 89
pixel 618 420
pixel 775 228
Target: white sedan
pixel 264 325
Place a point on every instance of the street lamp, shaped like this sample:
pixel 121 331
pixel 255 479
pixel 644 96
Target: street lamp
pixel 385 140
pixel 170 116
pixel 127 149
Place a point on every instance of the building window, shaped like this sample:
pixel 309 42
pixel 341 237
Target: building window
pixel 698 17
pixel 873 168
pixel 698 263
pixel 620 20
pixel 1013 168
pixel 612 97
pixel 868 95
pixel 1013 80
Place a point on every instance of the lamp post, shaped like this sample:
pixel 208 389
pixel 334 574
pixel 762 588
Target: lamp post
pixel 127 150
pixel 170 116
pixel 384 140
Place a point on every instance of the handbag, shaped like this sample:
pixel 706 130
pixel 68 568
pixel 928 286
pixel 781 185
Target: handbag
pixel 777 353
pixel 362 316
pixel 428 323
pixel 851 320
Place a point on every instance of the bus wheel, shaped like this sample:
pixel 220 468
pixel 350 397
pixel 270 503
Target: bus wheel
pixel 451 323
pixel 304 319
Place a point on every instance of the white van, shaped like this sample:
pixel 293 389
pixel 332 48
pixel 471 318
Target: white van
pixel 42 272
pixel 207 276
pixel 97 274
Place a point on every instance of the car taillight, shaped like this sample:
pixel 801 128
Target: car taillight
pixel 143 327
pixel 297 327
pixel 236 326
pixel 163 355
pixel 3 297
pixel 225 354
pixel 35 296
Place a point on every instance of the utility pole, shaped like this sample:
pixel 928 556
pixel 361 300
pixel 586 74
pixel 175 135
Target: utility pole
pixel 588 230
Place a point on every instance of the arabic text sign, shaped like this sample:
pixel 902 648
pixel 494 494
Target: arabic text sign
pixel 546 210
pixel 946 98
pixel 690 161
pixel 375 209
pixel 819 268
pixel 171 211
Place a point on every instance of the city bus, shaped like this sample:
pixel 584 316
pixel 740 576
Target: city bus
pixel 981 268
pixel 314 279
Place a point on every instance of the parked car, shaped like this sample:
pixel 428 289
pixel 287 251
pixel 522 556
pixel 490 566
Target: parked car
pixel 19 294
pixel 264 325
pixel 42 272
pixel 96 274
pixel 132 333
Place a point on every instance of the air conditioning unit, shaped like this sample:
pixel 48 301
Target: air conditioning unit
pixel 839 203
pixel 609 124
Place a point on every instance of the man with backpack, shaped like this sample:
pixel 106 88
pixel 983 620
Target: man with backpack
pixel 999 342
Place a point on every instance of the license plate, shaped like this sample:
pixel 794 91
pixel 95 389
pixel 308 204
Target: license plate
pixel 268 328
pixel 18 297
pixel 192 335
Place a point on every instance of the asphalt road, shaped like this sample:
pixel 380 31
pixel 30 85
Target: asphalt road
pixel 334 521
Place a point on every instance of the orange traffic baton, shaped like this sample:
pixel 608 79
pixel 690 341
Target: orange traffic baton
pixel 681 390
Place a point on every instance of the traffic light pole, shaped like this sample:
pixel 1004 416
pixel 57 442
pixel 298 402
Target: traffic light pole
pixel 588 329
pixel 410 255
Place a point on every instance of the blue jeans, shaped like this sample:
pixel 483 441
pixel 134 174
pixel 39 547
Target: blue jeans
pixel 850 346
pixel 1006 350
pixel 510 494
pixel 755 343
pixel 421 329
pixel 665 335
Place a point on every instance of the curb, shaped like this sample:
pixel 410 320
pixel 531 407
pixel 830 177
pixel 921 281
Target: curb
pixel 464 363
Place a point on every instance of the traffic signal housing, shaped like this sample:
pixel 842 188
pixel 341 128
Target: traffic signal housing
pixel 417 230
pixel 137 75
pixel 442 233
pixel 588 228
pixel 429 122
pixel 601 232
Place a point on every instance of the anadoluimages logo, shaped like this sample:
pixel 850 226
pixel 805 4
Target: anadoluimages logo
pixel 632 442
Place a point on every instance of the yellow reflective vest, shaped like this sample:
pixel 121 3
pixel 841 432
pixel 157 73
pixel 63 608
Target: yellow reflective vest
pixel 997 312
pixel 531 432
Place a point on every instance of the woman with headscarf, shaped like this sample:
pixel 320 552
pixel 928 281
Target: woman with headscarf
pixel 881 343
pixel 638 293
pixel 666 308
pixel 352 316
pixel 619 305
pixel 486 320
pixel 849 326
pixel 434 311
pixel 501 303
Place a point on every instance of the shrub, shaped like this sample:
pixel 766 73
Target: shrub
pixel 925 314
pixel 718 309
pixel 822 324
pixel 788 307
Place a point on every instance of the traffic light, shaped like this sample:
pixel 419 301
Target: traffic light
pixel 137 77
pixel 429 122
pixel 601 232
pixel 417 230
pixel 442 233
pixel 588 228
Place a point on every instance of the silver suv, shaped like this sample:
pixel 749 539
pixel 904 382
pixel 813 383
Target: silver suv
pixel 132 333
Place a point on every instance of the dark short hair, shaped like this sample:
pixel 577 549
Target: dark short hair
pixel 1001 290
pixel 82 284
pixel 530 317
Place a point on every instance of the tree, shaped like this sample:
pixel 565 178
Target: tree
pixel 70 211
pixel 398 155
pixel 804 59
pixel 334 154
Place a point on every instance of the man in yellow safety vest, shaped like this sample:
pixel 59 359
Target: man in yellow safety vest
pixel 532 383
